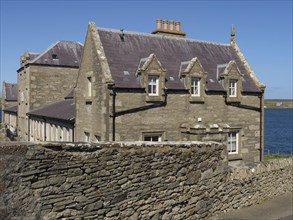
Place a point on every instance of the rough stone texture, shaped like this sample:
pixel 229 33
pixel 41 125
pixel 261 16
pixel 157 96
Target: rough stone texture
pixel 94 114
pixel 139 180
pixel 5 102
pixel 41 85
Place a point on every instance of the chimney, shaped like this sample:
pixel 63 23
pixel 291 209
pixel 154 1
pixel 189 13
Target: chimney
pixel 177 26
pixel 159 24
pixel 171 25
pixel 165 24
pixel 168 28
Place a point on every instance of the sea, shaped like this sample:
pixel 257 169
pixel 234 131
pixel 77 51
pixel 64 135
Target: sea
pixel 278 131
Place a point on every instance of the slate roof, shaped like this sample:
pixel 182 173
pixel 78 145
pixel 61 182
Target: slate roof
pixel 61 53
pixel 61 110
pixel 11 109
pixel 11 91
pixel 32 55
pixel 70 95
pixel 125 55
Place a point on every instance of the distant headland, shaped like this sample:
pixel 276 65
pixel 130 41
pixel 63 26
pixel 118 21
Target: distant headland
pixel 278 103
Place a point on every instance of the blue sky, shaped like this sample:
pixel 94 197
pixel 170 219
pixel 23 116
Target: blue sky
pixel 263 29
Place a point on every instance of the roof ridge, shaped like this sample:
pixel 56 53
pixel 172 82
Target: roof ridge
pixel 162 36
pixel 44 52
pixel 70 41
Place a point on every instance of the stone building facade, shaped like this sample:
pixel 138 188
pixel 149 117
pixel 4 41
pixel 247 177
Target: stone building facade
pixel 9 97
pixel 164 87
pixel 9 121
pixel 45 78
pixel 53 122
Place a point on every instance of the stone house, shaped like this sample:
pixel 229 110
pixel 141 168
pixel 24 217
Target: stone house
pixel 53 122
pixel 165 87
pixel 9 120
pixel 9 107
pixel 9 96
pixel 44 78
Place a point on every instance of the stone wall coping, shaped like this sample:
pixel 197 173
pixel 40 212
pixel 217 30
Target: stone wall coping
pixel 90 147
pixel 135 144
pixel 253 169
pixel 22 147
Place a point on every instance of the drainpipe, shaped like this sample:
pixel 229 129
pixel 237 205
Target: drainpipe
pixel 261 126
pixel 73 133
pixel 113 94
pixel 28 129
pixel 9 116
pixel 129 111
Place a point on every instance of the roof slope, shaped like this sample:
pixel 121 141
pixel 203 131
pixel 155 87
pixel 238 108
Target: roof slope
pixel 12 109
pixel 67 53
pixel 33 56
pixel 11 91
pixel 125 55
pixel 61 110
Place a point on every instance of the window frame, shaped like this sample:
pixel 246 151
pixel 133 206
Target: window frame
pixel 152 84
pixel 97 138
pixel 152 136
pixel 67 134
pixel 61 133
pixel 89 86
pixel 194 86
pixel 87 136
pixel 56 132
pixel 232 88
pixel 231 140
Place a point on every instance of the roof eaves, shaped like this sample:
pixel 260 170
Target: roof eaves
pixel 70 120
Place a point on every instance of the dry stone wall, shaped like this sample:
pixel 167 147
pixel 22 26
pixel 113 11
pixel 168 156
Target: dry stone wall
pixel 187 180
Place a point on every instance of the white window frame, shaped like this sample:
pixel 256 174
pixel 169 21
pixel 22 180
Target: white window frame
pixel 67 134
pixel 42 131
pixel 87 136
pixel 195 86
pixel 89 86
pixel 56 133
pixel 153 85
pixel 232 88
pixel 52 132
pixel 152 137
pixel 61 133
pixel 233 137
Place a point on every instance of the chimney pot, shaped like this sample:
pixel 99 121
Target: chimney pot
pixel 177 24
pixel 159 23
pixel 165 23
pixel 171 25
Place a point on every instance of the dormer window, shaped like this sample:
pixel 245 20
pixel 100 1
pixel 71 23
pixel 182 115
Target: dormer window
pixel 55 57
pixel 153 85
pixel 152 77
pixel 194 77
pixel 232 88
pixel 231 79
pixel 195 86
